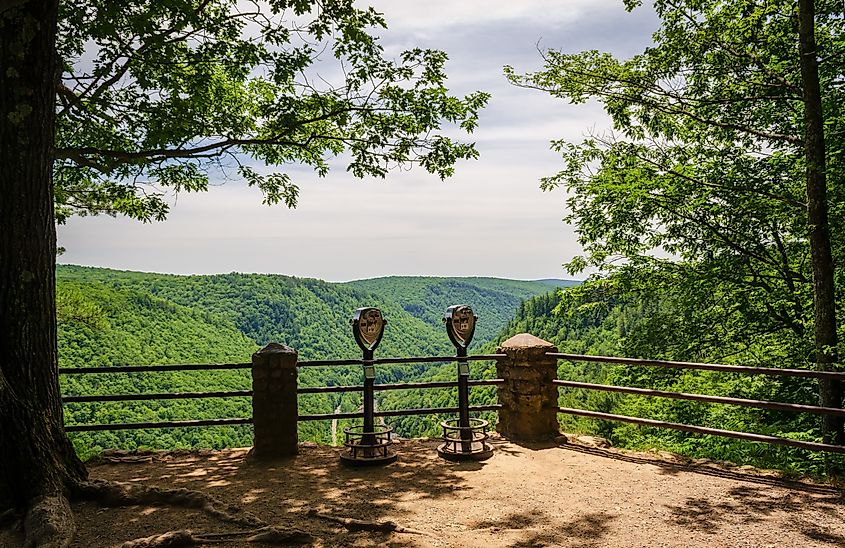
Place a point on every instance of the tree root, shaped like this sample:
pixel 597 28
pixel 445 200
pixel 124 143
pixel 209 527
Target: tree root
pixel 49 523
pixel 282 537
pixel 170 539
pixel 111 493
pixel 8 516
pixel 265 535
pixel 124 460
pixel 352 524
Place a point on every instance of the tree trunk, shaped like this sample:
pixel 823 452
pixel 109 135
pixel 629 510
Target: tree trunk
pixel 36 458
pixel 830 391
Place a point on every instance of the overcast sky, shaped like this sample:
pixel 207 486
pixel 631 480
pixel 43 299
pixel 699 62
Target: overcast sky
pixel 489 219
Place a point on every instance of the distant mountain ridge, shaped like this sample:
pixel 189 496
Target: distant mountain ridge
pixel 494 300
pixel 288 309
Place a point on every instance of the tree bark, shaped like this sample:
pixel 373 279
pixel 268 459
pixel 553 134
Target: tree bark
pixel 37 461
pixel 830 391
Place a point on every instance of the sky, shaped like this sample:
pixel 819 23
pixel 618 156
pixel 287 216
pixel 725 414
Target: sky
pixel 489 219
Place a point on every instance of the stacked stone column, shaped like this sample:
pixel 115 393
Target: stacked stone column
pixel 274 402
pixel 528 397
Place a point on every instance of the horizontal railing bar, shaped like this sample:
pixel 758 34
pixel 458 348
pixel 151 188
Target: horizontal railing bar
pixel 397 412
pixel 236 421
pixel 162 424
pixel 487 382
pixel 436 384
pixel 758 404
pixel 704 430
pixel 247 393
pixel 434 410
pixel 152 368
pixel 386 361
pixel 327 363
pixel 435 359
pixel 413 385
pixel 160 396
pixel 396 386
pixel 305 363
pixel 703 366
pixel 329 389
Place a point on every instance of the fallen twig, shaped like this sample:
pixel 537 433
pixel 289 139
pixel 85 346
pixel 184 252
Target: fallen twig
pixel 353 524
pixel 170 539
pixel 124 460
pixel 265 535
pixel 284 537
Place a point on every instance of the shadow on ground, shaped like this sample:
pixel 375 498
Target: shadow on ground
pixel 751 505
pixel 525 496
pixel 590 528
pixel 679 466
pixel 280 492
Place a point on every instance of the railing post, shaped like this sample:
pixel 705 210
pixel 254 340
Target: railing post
pixel 528 397
pixel 274 402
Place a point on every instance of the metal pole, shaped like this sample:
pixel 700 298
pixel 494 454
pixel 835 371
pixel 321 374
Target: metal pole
pixel 463 400
pixel 369 403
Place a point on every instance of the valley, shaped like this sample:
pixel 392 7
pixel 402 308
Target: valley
pixel 109 317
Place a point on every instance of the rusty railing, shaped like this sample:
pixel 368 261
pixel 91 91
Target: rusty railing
pixel 248 393
pixel 757 404
pixel 628 362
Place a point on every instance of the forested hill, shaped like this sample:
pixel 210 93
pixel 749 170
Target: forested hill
pixel 111 317
pixel 310 315
pixel 494 300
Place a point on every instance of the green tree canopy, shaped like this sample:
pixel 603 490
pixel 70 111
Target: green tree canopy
pixel 158 95
pixel 707 123
pixel 703 187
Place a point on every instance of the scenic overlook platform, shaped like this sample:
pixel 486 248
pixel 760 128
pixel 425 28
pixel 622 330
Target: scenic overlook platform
pixel 526 495
pixel 242 376
pixel 535 488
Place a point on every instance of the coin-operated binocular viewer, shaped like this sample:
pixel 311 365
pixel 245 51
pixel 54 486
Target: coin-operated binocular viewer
pixel 464 438
pixel 368 444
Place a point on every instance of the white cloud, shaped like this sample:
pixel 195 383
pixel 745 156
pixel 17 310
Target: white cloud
pixel 490 219
pixel 437 14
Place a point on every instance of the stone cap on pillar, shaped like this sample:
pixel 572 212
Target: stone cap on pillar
pixel 526 340
pixel 525 347
pixel 276 348
pixel 274 356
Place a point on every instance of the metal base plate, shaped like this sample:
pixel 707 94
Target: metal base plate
pixel 482 453
pixel 358 461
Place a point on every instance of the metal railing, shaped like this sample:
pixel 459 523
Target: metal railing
pixel 757 404
pixel 248 393
pixel 629 362
pixel 397 386
pixel 231 421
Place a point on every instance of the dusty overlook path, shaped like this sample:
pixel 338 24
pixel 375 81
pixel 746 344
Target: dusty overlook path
pixel 540 496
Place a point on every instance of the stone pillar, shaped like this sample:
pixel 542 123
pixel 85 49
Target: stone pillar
pixel 274 403
pixel 528 397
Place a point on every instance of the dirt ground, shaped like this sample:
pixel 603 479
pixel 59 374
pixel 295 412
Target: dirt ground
pixel 567 495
